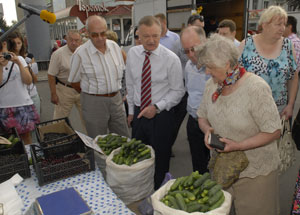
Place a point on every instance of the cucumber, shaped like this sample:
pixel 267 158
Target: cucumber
pixel 180 201
pixel 193 207
pixel 214 190
pixel 146 156
pixel 189 181
pixel 218 203
pixel 173 201
pixel 215 198
pixel 201 179
pixel 190 195
pixel 208 184
pixel 204 208
pixel 144 152
pixel 176 183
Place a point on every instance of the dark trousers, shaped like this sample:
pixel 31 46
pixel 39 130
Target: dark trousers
pixel 179 114
pixel 200 153
pixel 156 132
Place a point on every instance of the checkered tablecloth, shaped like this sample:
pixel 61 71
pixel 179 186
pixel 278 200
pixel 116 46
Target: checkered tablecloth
pixel 90 185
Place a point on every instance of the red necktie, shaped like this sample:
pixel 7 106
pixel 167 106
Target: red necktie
pixel 146 82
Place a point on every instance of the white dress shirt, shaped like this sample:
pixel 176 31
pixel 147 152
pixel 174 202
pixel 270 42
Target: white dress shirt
pixel 97 73
pixel 167 87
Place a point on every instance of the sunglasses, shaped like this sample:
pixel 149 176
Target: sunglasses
pixel 96 35
pixel 187 51
pixel 195 17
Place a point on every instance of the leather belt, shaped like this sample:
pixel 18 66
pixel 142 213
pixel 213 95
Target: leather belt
pixel 62 83
pixel 104 95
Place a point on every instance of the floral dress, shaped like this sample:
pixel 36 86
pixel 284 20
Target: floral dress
pixel 276 72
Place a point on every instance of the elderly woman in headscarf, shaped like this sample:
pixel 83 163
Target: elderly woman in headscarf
pixel 239 107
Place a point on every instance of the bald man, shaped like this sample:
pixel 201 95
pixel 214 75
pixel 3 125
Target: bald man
pixel 96 72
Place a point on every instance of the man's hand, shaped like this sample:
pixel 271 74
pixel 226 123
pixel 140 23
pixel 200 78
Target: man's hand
pixel 54 99
pixel 148 112
pixel 129 120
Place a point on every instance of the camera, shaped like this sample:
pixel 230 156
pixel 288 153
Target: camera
pixel 6 56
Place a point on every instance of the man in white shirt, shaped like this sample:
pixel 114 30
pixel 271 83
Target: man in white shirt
pixel 227 28
pixel 96 71
pixel 63 95
pixel 155 85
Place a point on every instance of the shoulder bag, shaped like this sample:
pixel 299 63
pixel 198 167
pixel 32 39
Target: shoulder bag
pixel 286 146
pixel 11 67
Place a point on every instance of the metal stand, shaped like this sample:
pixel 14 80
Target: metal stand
pixel 14 27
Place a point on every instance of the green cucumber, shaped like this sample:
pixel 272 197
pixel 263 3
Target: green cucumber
pixel 173 201
pixel 180 201
pixel 176 183
pixel 218 203
pixel 193 207
pixel 201 179
pixel 215 198
pixel 214 190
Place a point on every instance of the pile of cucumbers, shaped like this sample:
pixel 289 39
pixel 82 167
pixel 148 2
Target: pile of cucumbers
pixel 13 139
pixel 111 142
pixel 132 152
pixel 193 193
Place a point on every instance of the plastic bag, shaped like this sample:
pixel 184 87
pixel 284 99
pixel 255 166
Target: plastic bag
pixel 131 183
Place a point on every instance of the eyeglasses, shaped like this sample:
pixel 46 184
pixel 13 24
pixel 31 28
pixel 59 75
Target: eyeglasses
pixel 136 37
pixel 187 51
pixel 95 34
pixel 193 18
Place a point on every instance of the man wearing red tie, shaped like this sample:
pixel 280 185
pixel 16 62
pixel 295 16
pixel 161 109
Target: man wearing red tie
pixel 154 85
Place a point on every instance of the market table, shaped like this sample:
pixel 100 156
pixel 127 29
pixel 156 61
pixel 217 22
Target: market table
pixel 91 185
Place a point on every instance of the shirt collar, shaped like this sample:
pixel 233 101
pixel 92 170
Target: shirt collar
pixel 94 50
pixel 155 52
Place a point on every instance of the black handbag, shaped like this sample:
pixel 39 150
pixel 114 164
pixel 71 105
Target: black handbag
pixel 296 131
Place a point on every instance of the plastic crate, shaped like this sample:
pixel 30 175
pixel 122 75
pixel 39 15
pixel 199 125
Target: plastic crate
pixel 55 126
pixel 18 159
pixel 50 172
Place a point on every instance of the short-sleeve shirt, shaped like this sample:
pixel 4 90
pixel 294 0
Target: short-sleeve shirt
pixel 97 72
pixel 276 72
pixel 244 113
pixel 60 63
pixel 296 42
pixel 14 93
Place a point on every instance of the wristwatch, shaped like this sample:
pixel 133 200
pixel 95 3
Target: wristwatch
pixel 157 109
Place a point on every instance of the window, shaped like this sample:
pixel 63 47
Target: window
pixel 255 4
pixel 266 4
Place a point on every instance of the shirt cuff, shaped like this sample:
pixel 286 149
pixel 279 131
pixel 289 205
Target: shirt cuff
pixel 161 105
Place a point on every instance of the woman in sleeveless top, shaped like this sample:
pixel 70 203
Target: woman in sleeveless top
pixel 271 56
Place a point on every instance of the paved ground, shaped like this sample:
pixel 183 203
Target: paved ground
pixel 181 164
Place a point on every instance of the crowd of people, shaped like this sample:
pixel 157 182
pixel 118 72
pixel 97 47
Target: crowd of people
pixel 237 89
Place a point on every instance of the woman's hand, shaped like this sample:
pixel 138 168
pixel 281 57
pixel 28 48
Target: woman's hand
pixel 207 134
pixel 287 112
pixel 230 145
pixel 14 58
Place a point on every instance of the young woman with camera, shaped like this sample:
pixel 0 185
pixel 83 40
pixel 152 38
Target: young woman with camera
pixel 16 107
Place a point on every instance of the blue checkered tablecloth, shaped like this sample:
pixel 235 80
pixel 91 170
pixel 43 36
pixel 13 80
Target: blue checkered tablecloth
pixel 91 186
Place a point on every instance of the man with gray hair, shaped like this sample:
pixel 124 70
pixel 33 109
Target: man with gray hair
pixel 63 95
pixel 195 80
pixel 96 71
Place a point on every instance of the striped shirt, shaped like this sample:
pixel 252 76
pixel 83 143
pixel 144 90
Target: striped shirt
pixel 97 73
